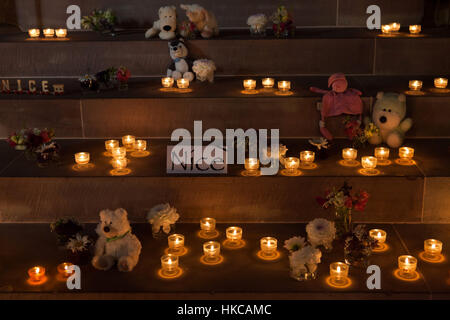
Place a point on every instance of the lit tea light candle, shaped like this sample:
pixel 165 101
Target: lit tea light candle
pixel 167 82
pixel 268 83
pixel 49 33
pixel 415 28
pixel 291 163
pixel 208 224
pixel 234 233
pixel 369 162
pixel 395 26
pixel 407 266
pixel 251 164
pixel 176 244
pixel 118 152
pixel 379 235
pixel 211 252
pixel 36 274
pixel 432 248
pixel 82 158
pixel 339 274
pixel 128 142
pixel 140 145
pixel 61 33
pixel 63 269
pixel 405 155
pixel 386 29
pixel 110 144
pixel 284 85
pixel 249 84
pixel 183 83
pixel 34 33
pixel 415 85
pixel 440 83
pixel 349 154
pixel 307 158
pixel 169 265
pixel 268 246
pixel 119 163
pixel 381 153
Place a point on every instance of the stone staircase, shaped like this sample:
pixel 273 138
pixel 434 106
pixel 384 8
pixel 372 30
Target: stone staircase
pixel 330 39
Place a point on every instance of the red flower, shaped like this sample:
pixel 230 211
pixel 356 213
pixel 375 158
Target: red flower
pixel 360 206
pixel 348 202
pixel 45 136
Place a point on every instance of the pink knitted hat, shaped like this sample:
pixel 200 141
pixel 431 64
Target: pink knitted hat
pixel 334 77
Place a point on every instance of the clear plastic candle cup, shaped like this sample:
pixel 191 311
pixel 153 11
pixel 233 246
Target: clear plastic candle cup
pixel 169 265
pixel 339 273
pixel 82 158
pixel 268 83
pixel 433 249
pixel 176 244
pixel 407 265
pixel 211 251
pixel 268 246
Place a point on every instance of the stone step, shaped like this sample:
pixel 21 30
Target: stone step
pixel 241 276
pixel 232 14
pixel 399 194
pixel 148 112
pixel 311 51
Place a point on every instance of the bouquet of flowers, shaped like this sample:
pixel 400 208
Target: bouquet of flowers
pixel 162 216
pixel 102 21
pixel 282 22
pixel 107 77
pixel 188 30
pixel 358 135
pixel 321 232
pixel 37 143
pixel 65 229
pixel 303 258
pixel 358 247
pixel 257 23
pixel 123 74
pixel 344 201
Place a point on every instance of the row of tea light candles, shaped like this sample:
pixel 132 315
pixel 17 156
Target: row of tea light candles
pixel 338 270
pixel 395 27
pixel 439 83
pixel 349 155
pixel 48 33
pixel 167 82
pixel 267 83
pixel 130 143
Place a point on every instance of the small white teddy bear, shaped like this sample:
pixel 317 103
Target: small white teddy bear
pixel 166 25
pixel 116 243
pixel 389 115
pixel 204 21
pixel 204 69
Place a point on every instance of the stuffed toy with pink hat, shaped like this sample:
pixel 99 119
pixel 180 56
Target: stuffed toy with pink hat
pixel 339 100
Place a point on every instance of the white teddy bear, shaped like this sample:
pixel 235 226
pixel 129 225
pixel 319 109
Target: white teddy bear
pixel 388 115
pixel 116 243
pixel 204 20
pixel 166 25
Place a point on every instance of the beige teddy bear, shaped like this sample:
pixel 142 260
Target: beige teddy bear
pixel 166 25
pixel 204 21
pixel 116 243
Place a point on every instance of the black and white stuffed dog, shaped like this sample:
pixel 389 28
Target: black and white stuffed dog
pixel 181 66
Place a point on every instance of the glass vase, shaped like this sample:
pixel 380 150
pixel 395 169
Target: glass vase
pixel 258 30
pixel 161 235
pixel 359 258
pixel 303 274
pixel 343 223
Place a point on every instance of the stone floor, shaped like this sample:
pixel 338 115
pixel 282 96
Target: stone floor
pixel 241 275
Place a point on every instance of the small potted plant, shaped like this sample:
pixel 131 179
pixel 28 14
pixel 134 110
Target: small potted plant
pixel 303 259
pixel 162 217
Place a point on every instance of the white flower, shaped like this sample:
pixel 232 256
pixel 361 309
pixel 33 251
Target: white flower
pixel 258 20
pixel 79 243
pixel 204 69
pixel 162 215
pixel 307 257
pixel 294 243
pixel 321 232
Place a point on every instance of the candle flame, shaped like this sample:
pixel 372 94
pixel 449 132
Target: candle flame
pixel 406 260
pixel 379 234
pixel 338 269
